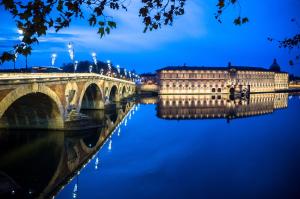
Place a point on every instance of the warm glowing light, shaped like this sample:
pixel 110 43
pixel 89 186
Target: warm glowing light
pixel 20 31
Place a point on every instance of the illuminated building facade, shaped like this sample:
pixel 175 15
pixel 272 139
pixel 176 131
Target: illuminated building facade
pixel 220 80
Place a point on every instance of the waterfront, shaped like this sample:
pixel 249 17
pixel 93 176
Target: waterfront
pixel 252 156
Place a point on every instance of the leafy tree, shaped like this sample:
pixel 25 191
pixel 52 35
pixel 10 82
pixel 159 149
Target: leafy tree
pixel 36 17
pixel 290 43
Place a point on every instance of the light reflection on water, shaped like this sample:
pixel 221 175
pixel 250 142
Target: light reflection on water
pixel 182 147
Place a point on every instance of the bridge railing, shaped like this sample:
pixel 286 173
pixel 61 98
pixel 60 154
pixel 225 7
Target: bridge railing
pixel 41 76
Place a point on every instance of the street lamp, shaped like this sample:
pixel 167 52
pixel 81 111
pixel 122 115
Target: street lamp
pixel 15 59
pixel 118 69
pixel 71 53
pixel 23 45
pixel 53 58
pixel 94 58
pixel 75 65
pixel 109 67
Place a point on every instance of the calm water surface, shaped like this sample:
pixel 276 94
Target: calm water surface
pixel 158 151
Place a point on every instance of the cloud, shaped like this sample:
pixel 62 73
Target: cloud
pixel 128 36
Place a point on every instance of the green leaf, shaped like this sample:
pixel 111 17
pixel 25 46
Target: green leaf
pixel 237 21
pixel 101 23
pixel 107 30
pixel 92 20
pixel 101 31
pixel 245 20
pixel 112 24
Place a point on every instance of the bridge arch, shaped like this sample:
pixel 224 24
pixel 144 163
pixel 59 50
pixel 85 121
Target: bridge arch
pixel 123 92
pixel 113 95
pixel 91 97
pixel 39 105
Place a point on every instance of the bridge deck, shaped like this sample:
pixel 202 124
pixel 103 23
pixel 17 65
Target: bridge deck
pixel 20 78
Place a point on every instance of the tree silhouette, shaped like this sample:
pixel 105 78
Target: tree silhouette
pixel 290 43
pixel 36 17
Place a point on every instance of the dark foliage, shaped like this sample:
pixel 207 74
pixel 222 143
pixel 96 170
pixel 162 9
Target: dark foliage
pixel 36 17
pixel 290 43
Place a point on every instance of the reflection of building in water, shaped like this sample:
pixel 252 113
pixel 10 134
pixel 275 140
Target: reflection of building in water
pixel 147 100
pixel 231 79
pixel 210 106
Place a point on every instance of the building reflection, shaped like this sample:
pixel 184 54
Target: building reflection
pixel 37 164
pixel 218 106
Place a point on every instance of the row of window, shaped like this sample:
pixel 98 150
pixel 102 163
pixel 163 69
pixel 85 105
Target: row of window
pixel 188 86
pixel 255 76
pixel 263 84
pixel 195 76
pixel 216 75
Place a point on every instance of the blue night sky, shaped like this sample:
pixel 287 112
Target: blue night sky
pixel 195 38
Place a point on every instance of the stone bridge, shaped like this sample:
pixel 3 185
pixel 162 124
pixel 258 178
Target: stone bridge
pixel 65 153
pixel 48 100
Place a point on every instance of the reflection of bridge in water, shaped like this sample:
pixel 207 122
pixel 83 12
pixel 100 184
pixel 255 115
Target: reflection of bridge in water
pixel 54 101
pixel 221 106
pixel 39 164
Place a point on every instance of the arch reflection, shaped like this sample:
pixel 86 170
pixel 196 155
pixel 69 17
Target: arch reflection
pixel 37 164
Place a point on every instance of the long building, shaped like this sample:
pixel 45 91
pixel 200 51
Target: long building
pixel 220 80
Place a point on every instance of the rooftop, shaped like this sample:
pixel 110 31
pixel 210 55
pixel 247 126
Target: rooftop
pixel 213 68
pixel 241 68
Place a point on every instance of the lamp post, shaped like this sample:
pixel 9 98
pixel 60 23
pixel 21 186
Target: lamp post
pixel 71 53
pixel 75 65
pixel 118 69
pixel 94 56
pixel 24 46
pixel 53 58
pixel 109 67
pixel 15 59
